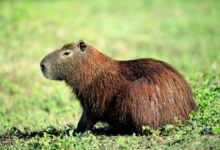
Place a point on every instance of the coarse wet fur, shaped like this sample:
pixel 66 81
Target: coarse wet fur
pixel 126 94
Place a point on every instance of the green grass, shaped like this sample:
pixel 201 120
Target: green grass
pixel 182 33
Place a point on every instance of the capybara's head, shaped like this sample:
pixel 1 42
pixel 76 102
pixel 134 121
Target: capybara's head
pixel 62 63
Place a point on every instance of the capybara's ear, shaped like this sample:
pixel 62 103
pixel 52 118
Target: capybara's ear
pixel 82 45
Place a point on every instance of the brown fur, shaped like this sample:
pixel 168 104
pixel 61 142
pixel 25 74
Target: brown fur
pixel 126 94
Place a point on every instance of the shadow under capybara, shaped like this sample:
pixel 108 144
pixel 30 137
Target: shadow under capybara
pixel 126 94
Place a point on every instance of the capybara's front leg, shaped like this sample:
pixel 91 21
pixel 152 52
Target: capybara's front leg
pixel 85 123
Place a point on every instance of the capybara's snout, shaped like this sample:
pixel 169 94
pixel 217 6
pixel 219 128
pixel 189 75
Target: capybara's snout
pixel 42 66
pixel 45 67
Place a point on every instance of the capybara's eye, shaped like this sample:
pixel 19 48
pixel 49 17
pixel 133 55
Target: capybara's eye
pixel 67 53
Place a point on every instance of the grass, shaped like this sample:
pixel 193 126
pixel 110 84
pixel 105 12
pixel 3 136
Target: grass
pixel 36 113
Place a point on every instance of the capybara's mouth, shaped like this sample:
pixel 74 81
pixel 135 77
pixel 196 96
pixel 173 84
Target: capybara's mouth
pixel 59 78
pixel 47 75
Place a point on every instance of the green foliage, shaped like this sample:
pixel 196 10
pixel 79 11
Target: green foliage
pixel 122 142
pixel 39 114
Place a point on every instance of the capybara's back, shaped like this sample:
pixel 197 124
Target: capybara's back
pixel 156 95
pixel 126 94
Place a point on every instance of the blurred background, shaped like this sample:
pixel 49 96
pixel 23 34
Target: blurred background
pixel 185 34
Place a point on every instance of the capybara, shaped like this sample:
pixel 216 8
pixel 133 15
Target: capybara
pixel 126 94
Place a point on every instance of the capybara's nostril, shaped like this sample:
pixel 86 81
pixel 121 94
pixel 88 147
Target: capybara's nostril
pixel 42 66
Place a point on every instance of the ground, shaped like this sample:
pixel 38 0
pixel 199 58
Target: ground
pixel 36 113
